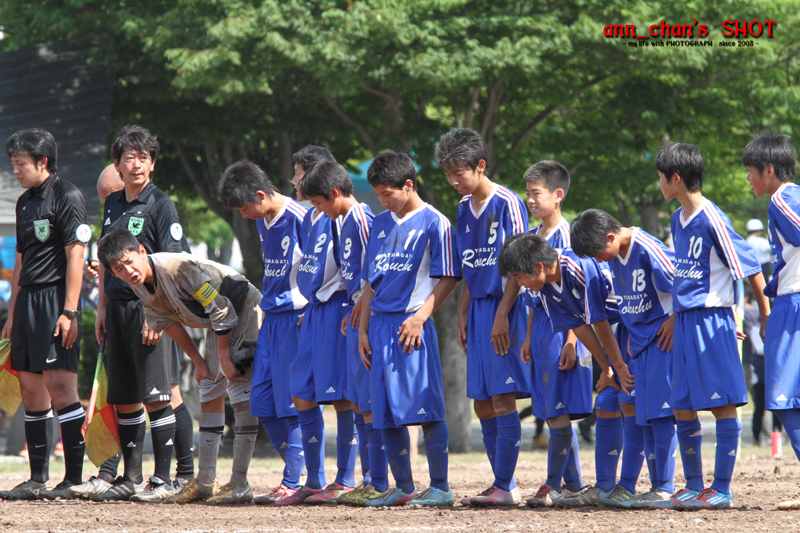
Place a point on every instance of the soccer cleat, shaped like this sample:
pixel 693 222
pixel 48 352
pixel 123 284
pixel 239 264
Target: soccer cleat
pixel 275 495
pixel 359 496
pixel 27 490
pixel 710 498
pixel 433 497
pixel 546 496
pixel 617 497
pixel 391 498
pixel 156 490
pixel 497 497
pixel 791 505
pixel 120 490
pixel 676 499
pixel 95 485
pixel 298 497
pixel 194 491
pixel 468 499
pixel 586 497
pixel 329 494
pixel 60 492
pixel 230 494
pixel 649 499
pixel 179 482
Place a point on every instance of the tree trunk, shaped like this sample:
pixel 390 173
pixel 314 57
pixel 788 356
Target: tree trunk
pixel 649 209
pixel 250 244
pixel 454 374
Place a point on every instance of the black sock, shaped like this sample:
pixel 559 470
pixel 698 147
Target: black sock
pixel 162 429
pixel 71 419
pixel 184 442
pixel 38 429
pixel 108 470
pixel 131 438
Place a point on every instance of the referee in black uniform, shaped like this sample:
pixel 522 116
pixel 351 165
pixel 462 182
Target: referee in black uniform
pixel 44 319
pixel 139 361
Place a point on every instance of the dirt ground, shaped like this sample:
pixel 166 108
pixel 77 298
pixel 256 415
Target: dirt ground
pixel 757 488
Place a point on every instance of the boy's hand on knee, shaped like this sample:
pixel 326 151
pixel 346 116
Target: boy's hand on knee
pixel 230 371
pixel 201 372
pixel 606 380
pixel 625 379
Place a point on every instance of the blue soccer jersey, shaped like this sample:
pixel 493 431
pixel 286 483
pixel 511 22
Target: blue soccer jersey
pixel 709 256
pixel 281 244
pixel 584 296
pixel 356 226
pixel 558 239
pixel 784 237
pixel 319 275
pixel 643 285
pixel 480 236
pixel 406 256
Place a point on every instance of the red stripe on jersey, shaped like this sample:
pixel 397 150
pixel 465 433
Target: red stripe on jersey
pixel 725 240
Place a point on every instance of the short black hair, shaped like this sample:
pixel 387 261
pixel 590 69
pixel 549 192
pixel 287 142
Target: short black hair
pixel 133 137
pixel 323 178
pixel 114 245
pixel 312 155
pixel 769 148
pixel 461 147
pixel 392 169
pixel 552 174
pixel 37 143
pixel 589 230
pixel 684 160
pixel 522 251
pixel 240 182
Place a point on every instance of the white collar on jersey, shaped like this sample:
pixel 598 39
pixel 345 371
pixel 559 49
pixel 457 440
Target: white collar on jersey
pixel 697 211
pixel 478 214
pixel 409 215
pixel 624 260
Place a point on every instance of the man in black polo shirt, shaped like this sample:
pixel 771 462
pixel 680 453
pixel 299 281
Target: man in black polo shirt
pixel 139 361
pixel 44 319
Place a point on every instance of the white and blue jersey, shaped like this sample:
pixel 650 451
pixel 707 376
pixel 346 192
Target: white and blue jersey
pixel 784 238
pixel 782 341
pixel 406 256
pixel 353 241
pixel 558 239
pixel 643 286
pixel 281 245
pixel 480 236
pixel 709 256
pixel 584 296
pixel 319 275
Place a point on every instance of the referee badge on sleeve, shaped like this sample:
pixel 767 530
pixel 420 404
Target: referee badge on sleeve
pixel 176 231
pixel 41 229
pixel 83 233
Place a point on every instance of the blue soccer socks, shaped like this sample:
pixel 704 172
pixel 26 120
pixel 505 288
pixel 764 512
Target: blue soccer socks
pixel 489 431
pixel 607 449
pixel 346 448
pixel 378 466
pixel 791 423
pixel 632 454
pixel 397 444
pixel 509 434
pixel 573 479
pixel 437 440
pixel 312 428
pixel 363 448
pixel 284 433
pixel 650 455
pixel 662 431
pixel 728 432
pixel 690 439
pixel 558 453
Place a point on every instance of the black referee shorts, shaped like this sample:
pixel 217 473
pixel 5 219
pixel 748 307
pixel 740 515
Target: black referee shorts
pixel 33 346
pixel 137 373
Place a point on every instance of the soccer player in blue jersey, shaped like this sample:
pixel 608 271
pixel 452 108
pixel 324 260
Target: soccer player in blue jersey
pixel 642 271
pixel 706 369
pixel 770 161
pixel 318 374
pixel 492 318
pixel 410 267
pixel 330 190
pixel 575 295
pixel 560 367
pixel 244 186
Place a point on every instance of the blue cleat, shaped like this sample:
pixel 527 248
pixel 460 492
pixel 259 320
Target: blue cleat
pixel 677 499
pixel 391 498
pixel 708 499
pixel 432 497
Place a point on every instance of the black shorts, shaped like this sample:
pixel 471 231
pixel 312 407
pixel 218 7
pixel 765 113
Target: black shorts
pixel 137 373
pixel 175 361
pixel 33 346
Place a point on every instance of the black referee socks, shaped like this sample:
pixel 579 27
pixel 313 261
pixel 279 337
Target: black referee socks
pixel 38 430
pixel 184 445
pixel 71 419
pixel 162 429
pixel 131 438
